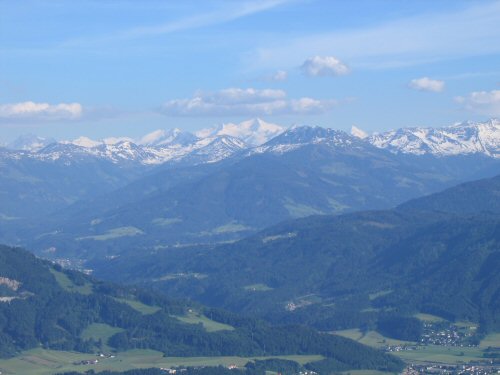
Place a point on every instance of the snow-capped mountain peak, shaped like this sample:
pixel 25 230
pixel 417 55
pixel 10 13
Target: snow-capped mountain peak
pixel 458 139
pixel 300 136
pixel 85 142
pixel 215 149
pixel 215 144
pixel 312 135
pixel 163 137
pixel 253 132
pixel 358 133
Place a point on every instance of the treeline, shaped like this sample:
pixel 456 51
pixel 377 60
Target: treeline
pixel 281 366
pixel 215 370
pixel 251 337
pixel 257 367
pixel 149 371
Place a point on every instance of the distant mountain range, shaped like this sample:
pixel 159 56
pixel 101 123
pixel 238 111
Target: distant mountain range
pixel 161 146
pixel 88 198
pixel 459 139
pixel 220 142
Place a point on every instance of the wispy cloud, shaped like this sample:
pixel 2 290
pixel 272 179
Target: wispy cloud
pixel 426 84
pixel 482 102
pixel 226 13
pixel 277 76
pixel 249 101
pixel 468 75
pixel 468 32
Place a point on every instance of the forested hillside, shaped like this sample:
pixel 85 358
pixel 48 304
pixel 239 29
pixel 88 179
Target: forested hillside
pixel 45 306
pixel 352 270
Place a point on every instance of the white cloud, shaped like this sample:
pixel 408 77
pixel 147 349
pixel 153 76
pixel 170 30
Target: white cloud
pixel 427 84
pixel 310 105
pixel 40 111
pixel 237 101
pixel 482 102
pixel 324 66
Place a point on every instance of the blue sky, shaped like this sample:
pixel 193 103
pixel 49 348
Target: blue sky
pixel 123 67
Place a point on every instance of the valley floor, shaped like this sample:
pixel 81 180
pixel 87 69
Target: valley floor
pixel 48 362
pixel 436 359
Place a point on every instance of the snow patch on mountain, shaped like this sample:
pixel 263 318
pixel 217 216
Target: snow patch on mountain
pixel 215 149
